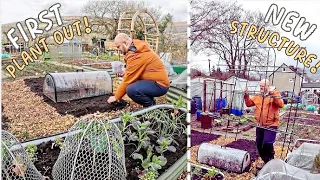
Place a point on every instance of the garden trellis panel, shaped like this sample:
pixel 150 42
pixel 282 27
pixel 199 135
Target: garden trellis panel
pixel 64 87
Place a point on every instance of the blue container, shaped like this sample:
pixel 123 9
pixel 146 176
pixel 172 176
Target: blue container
pixel 221 103
pixel 236 112
pixel 193 107
pixel 198 115
pixel 299 99
pixel 198 101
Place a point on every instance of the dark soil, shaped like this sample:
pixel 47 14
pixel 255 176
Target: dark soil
pixel 246 145
pixel 198 137
pixel 78 107
pixel 47 155
pixel 4 120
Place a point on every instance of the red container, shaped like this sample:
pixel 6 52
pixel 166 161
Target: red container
pixel 206 121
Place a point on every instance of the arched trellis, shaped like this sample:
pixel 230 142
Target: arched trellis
pixel 150 26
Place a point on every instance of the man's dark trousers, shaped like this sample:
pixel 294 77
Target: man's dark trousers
pixel 144 91
pixel 265 139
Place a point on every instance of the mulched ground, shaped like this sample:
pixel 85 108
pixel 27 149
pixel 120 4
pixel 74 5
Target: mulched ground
pixel 76 108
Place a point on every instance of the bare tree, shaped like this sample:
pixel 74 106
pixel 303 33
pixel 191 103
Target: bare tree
pixel 106 14
pixel 210 33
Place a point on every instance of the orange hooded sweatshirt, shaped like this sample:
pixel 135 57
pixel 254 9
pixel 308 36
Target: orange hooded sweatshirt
pixel 143 64
pixel 270 110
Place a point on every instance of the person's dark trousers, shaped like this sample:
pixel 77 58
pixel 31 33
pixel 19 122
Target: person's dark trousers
pixel 264 140
pixel 144 91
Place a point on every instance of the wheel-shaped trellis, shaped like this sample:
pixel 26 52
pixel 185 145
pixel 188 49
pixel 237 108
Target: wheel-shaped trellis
pixel 143 22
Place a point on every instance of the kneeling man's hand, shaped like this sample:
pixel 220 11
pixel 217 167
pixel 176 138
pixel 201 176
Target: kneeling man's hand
pixel 112 99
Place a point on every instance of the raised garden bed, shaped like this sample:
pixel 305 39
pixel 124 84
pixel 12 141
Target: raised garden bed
pixel 48 150
pixel 76 107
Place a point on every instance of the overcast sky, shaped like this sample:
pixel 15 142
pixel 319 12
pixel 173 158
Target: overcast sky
pixel 306 8
pixel 19 10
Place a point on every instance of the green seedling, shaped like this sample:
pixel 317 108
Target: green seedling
pixel 57 142
pixel 149 175
pixel 25 135
pixel 126 118
pixel 143 130
pixel 212 173
pixel 31 151
pixel 218 121
pixel 243 121
pixel 151 162
pixel 179 103
pixel 164 145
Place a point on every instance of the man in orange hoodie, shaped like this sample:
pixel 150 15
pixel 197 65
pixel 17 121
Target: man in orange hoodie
pixel 266 114
pixel 145 75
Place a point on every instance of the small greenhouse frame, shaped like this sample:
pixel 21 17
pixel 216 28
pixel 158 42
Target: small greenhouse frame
pixel 310 98
pixel 64 87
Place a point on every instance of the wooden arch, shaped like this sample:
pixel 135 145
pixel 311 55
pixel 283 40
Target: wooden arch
pixel 125 27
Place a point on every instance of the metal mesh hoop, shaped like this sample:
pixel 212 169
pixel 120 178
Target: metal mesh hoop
pixel 15 164
pixel 92 150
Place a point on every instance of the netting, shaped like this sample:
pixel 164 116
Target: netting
pixel 279 170
pixel 304 156
pixel 15 164
pixel 63 87
pixel 92 150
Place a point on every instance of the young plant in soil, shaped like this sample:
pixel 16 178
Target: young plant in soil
pixel 164 145
pixel 218 122
pixel 151 164
pixel 57 143
pixel 168 124
pixel 179 103
pixel 127 118
pixel 213 174
pixel 206 174
pixel 141 134
pixel 243 121
pixel 31 150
